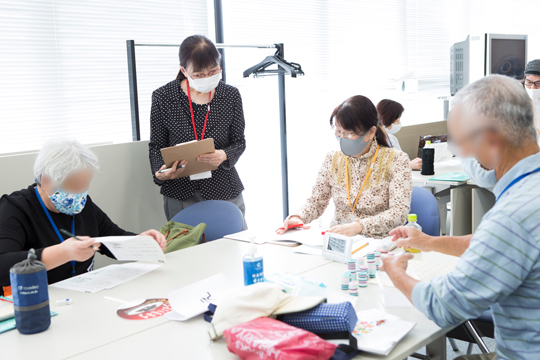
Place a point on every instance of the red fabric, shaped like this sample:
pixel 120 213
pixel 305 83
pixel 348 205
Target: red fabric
pixel 269 339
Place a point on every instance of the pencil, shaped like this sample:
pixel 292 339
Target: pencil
pixel 67 233
pixel 361 247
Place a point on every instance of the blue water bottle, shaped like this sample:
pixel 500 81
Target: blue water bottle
pixel 253 266
pixel 30 295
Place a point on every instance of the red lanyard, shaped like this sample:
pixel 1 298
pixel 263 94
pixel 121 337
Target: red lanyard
pixel 193 117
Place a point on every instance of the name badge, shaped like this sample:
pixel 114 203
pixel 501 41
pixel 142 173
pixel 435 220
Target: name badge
pixel 204 175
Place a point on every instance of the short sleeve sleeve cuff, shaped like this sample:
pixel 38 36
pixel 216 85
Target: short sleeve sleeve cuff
pixel 417 294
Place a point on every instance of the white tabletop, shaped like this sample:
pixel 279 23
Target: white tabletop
pixel 453 165
pixel 91 322
pixel 90 328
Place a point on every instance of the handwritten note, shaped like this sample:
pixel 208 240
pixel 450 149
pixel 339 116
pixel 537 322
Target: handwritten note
pixel 193 300
pixel 133 248
pixel 106 278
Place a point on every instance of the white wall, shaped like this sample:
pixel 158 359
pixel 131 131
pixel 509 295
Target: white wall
pixel 123 188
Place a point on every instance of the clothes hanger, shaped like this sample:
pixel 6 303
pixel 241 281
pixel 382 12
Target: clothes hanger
pixel 284 67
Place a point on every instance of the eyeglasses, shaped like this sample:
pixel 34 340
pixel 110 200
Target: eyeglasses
pixel 343 134
pixel 530 84
pixel 203 75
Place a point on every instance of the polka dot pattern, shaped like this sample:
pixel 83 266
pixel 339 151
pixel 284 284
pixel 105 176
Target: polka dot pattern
pixel 170 124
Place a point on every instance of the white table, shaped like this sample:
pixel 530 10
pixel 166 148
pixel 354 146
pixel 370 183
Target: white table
pixel 91 322
pixel 90 328
pixel 468 202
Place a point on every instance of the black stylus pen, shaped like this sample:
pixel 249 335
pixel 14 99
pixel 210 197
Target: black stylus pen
pixel 67 233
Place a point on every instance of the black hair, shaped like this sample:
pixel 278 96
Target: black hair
pixel 358 114
pixel 199 52
pixel 389 111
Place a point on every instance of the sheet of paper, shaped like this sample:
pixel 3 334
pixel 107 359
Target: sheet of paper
pixel 378 332
pixel 193 300
pixel 106 278
pixel 133 248
pixel 309 250
pixel 311 237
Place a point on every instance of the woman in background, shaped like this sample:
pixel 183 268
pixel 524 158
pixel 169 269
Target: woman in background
pixel 369 181
pixel 197 106
pixel 390 119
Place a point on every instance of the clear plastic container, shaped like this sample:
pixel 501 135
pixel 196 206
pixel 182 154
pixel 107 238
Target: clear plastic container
pixel 412 223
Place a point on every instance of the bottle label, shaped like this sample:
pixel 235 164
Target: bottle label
pixel 253 272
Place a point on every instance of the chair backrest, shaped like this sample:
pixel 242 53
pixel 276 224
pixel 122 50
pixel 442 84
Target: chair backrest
pixel 221 217
pixel 424 205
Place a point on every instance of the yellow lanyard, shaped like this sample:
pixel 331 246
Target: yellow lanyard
pixel 534 113
pixel 365 180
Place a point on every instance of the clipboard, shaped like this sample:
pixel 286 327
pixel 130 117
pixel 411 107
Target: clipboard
pixel 190 151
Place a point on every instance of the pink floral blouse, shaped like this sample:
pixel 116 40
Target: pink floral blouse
pixel 385 200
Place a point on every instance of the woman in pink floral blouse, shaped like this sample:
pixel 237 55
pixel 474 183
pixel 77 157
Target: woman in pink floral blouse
pixel 369 181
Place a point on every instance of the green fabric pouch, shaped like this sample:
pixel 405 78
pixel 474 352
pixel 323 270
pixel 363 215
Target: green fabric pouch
pixel 180 236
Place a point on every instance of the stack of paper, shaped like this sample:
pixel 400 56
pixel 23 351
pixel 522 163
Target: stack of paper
pixel 106 278
pixel 378 332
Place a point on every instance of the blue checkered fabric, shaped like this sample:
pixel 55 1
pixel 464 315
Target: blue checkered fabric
pixel 324 318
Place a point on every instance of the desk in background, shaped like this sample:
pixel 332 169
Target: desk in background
pixel 468 202
pixel 90 328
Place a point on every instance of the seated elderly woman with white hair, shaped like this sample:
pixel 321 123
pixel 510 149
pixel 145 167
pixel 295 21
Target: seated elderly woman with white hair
pixel 33 217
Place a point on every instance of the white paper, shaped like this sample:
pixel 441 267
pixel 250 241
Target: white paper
pixel 442 153
pixel 311 237
pixel 193 300
pixel 378 332
pixel 200 176
pixel 309 250
pixel 133 248
pixel 106 278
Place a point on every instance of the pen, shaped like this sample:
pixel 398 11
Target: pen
pixel 361 247
pixel 67 233
pixel 169 169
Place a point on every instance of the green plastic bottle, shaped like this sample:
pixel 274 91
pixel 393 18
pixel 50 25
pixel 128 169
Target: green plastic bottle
pixel 412 223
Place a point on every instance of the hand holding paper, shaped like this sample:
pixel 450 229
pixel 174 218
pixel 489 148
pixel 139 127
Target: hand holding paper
pixel 135 248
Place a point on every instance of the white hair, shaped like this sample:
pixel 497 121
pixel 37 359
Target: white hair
pixel 502 102
pixel 59 158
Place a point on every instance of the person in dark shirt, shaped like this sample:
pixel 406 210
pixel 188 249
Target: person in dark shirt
pixel 33 217
pixel 196 106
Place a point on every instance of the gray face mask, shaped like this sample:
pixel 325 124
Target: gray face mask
pixel 352 147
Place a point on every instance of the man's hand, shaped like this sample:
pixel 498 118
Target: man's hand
pixel 160 239
pixel 396 267
pixel 395 264
pixel 409 237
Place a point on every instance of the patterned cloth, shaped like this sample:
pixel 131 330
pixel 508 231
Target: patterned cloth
pixel 170 125
pixel 385 200
pixel 500 270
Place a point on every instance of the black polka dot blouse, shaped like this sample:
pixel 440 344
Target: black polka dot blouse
pixel 170 124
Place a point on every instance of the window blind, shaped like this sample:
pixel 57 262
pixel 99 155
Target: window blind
pixel 346 47
pixel 63 65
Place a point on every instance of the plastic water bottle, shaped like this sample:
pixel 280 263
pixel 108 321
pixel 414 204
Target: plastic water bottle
pixel 253 266
pixel 412 223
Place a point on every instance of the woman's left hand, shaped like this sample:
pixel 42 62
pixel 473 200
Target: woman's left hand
pixel 215 158
pixel 159 237
pixel 351 229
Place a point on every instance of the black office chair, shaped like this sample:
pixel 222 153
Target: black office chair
pixel 472 332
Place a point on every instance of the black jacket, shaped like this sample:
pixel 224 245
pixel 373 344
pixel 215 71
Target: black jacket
pixel 24 225
pixel 171 124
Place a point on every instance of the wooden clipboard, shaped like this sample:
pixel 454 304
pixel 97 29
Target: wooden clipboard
pixel 190 151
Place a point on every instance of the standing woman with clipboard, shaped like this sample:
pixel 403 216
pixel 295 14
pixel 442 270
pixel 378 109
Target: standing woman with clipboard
pixel 197 106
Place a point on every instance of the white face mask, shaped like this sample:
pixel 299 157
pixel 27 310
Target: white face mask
pixel 394 130
pixel 206 84
pixel 534 94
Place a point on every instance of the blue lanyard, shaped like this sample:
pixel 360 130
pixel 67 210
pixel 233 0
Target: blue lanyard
pixel 54 225
pixel 390 141
pixel 516 180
